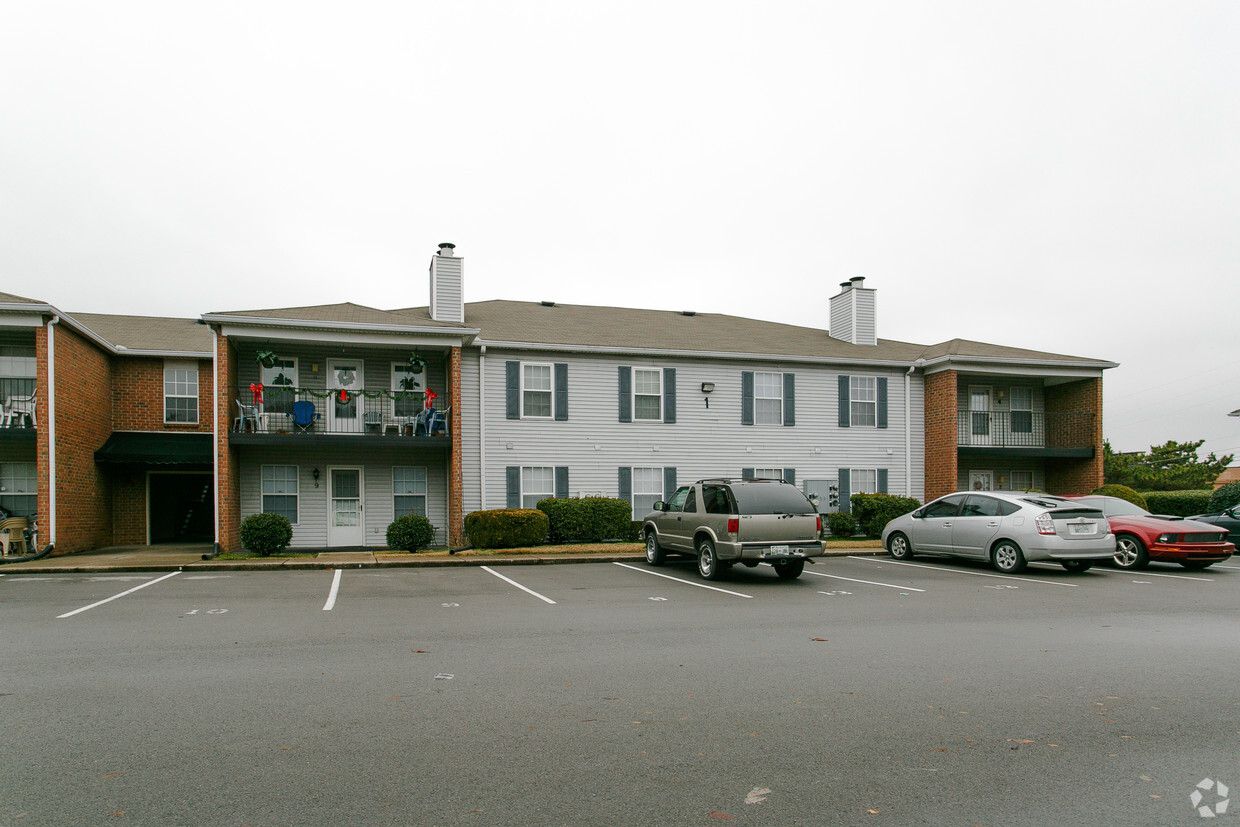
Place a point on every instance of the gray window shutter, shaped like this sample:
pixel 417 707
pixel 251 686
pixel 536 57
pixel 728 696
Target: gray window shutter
pixel 747 397
pixel 512 389
pixel 790 475
pixel 845 479
pixel 790 398
pixel 845 401
pixel 561 481
pixel 626 484
pixel 514 486
pixel 881 407
pixel 626 393
pixel 882 480
pixel 669 394
pixel 561 391
pixel 669 482
pixel 746 473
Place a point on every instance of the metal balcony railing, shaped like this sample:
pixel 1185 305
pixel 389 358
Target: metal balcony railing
pixel 283 409
pixel 1024 429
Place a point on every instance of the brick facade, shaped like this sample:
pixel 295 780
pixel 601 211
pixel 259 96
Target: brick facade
pixel 227 463
pixel 940 433
pixel 1083 400
pixel 138 396
pixel 456 487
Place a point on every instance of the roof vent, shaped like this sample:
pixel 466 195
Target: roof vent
pixel 688 312
pixel 547 304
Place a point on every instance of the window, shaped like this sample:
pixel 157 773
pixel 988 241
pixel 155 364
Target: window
pixel 18 370
pixel 536 484
pixel 863 401
pixel 180 392
pixel 647 490
pixel 863 481
pixel 280 386
pixel 279 484
pixel 1021 480
pixel 946 507
pixel 1022 411
pixel 647 394
pixel 19 489
pixel 407 390
pixel 768 473
pixel 977 506
pixel 409 491
pixel 768 398
pixel 716 500
pixel 536 391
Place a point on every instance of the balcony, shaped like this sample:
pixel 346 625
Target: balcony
pixel 291 415
pixel 1031 433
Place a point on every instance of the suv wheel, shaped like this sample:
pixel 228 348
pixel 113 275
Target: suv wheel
pixel 1007 557
pixel 708 562
pixel 655 555
pixel 790 569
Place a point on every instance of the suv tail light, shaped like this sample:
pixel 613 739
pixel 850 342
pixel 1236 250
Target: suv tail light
pixel 734 525
pixel 819 523
pixel 1045 524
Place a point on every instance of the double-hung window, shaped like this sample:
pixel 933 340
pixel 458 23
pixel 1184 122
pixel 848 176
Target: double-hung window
pixel 180 392
pixel 19 489
pixel 1022 410
pixel 409 491
pixel 1020 480
pixel 863 401
pixel 536 484
pixel 647 394
pixel 768 398
pixel 536 390
pixel 864 481
pixel 279 490
pixel 408 390
pixel 647 490
pixel 280 385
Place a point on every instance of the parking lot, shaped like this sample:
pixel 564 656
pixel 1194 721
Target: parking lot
pixel 867 691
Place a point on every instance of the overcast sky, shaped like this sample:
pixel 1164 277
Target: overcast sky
pixel 1057 176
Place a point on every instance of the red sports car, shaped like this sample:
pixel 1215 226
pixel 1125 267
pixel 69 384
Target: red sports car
pixel 1141 537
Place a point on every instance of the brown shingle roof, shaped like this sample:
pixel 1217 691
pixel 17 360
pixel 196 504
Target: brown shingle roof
pixel 156 333
pixel 345 313
pixel 9 298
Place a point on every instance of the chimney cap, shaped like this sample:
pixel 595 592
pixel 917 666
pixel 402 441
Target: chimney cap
pixel 857 280
pixel 844 285
pixel 446 248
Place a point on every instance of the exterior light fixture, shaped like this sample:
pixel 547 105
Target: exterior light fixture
pixel 707 387
pixel 315 473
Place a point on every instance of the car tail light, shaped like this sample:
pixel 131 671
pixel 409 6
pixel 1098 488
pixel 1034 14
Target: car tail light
pixel 819 523
pixel 734 525
pixel 1045 524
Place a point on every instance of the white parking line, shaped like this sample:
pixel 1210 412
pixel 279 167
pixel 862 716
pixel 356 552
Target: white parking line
pixel 686 582
pixel 489 570
pixel 1141 573
pixel 331 594
pixel 115 596
pixel 867 582
pixel 974 573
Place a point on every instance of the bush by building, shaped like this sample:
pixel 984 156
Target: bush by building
pixel 841 524
pixel 587 519
pixel 410 532
pixel 1225 497
pixel 873 511
pixel 266 534
pixel 1123 492
pixel 506 528
pixel 1178 503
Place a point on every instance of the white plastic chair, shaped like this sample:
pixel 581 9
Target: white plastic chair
pixel 21 408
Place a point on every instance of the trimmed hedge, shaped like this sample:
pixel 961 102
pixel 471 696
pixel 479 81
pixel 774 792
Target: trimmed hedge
pixel 1178 503
pixel 1123 492
pixel 506 528
pixel 587 519
pixel 1225 497
pixel 841 524
pixel 266 533
pixel 410 533
pixel 873 511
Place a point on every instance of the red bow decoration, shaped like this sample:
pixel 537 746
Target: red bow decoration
pixel 257 389
pixel 344 397
pixel 430 398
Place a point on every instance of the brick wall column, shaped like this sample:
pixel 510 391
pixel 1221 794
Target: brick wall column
pixel 1082 401
pixel 456 516
pixel 940 433
pixel 42 453
pixel 227 464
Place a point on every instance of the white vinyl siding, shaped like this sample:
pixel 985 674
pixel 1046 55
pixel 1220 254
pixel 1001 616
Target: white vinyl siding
pixel 536 385
pixel 181 392
pixel 647 490
pixel 19 488
pixel 279 487
pixel 647 394
pixel 768 398
pixel 536 484
pixel 409 491
pixel 863 400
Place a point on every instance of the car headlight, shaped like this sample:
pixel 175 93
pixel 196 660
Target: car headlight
pixel 1166 538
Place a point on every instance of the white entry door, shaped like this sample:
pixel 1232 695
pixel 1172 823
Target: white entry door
pixel 346 525
pixel 344 414
pixel 981 480
pixel 979 415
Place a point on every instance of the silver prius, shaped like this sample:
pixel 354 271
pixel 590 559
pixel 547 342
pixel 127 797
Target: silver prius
pixel 1009 529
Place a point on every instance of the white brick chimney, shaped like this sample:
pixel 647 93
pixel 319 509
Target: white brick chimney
pixel 447 292
pixel 853 313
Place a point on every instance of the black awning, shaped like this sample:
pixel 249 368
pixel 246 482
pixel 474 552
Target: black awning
pixel 156 448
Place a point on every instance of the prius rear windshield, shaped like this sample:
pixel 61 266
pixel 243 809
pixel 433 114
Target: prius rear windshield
pixel 771 498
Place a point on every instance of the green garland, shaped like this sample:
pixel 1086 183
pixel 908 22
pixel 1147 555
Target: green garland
pixel 274 391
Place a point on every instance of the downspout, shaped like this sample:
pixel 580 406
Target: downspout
pixel 908 429
pixel 215 438
pixel 482 428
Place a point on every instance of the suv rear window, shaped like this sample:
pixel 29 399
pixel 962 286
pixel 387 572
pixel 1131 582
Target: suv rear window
pixel 771 498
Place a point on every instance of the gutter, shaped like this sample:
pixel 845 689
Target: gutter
pixel 215 439
pixel 698 354
pixel 51 431
pixel 482 428
pixel 258 321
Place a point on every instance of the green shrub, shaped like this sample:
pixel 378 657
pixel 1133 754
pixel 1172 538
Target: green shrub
pixel 410 532
pixel 506 528
pixel 1178 503
pixel 873 511
pixel 841 524
pixel 587 519
pixel 1225 497
pixel 1123 492
pixel 266 533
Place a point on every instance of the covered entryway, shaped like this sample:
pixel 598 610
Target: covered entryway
pixel 161 485
pixel 180 508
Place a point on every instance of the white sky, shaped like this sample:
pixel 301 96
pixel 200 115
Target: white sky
pixel 1061 176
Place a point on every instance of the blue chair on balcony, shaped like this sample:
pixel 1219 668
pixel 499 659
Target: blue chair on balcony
pixel 304 416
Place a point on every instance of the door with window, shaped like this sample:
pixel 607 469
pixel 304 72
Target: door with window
pixel 345 406
pixel 345 523
pixel 979 415
pixel 981 481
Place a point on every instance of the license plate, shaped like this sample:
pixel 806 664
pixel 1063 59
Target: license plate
pixel 780 551
pixel 1081 528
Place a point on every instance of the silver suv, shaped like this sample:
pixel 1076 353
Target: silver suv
pixel 726 521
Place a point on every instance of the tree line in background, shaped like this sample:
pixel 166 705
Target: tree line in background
pixel 1172 466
